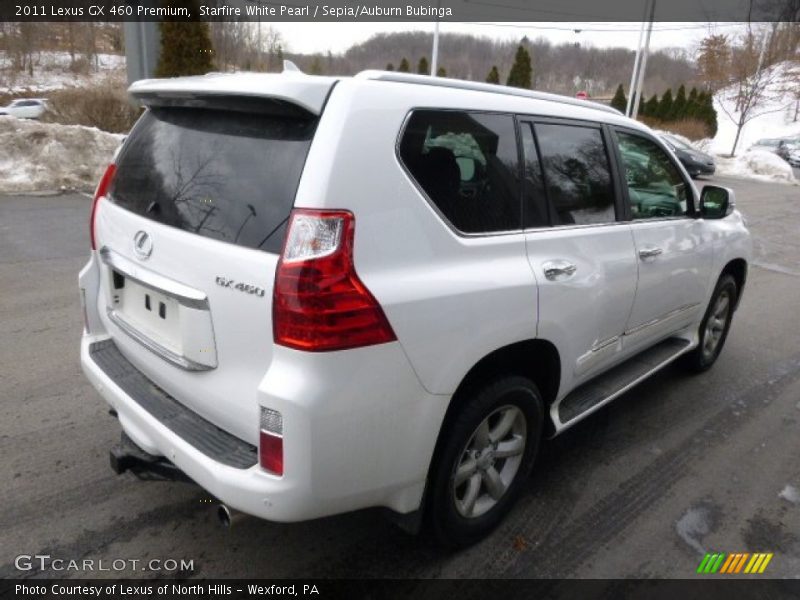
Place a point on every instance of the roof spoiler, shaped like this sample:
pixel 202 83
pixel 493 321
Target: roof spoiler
pixel 291 87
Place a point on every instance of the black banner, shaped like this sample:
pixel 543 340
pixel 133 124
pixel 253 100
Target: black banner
pixel 385 589
pixel 398 10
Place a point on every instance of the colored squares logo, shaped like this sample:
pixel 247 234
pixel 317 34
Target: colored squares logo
pixel 735 563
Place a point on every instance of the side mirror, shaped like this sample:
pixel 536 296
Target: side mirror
pixel 716 202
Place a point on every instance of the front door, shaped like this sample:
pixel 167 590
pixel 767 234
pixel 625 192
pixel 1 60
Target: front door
pixel 674 254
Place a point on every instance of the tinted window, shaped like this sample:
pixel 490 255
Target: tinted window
pixel 577 174
pixel 230 176
pixel 655 186
pixel 468 166
pixel 534 204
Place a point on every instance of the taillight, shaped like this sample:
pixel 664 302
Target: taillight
pixel 100 192
pixel 270 443
pixel 319 304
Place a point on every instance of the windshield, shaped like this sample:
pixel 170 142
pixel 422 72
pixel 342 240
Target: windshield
pixel 677 143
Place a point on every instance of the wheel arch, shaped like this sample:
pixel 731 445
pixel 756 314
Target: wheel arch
pixel 736 268
pixel 536 359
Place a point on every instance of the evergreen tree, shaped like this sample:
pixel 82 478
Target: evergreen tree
pixel 679 106
pixel 619 101
pixel 651 107
pixel 404 66
pixel 665 106
pixel 493 76
pixel 521 70
pixel 316 66
pixel 441 72
pixel 390 67
pixel 642 106
pixel 185 45
pixel 708 114
pixel 422 66
pixel 691 103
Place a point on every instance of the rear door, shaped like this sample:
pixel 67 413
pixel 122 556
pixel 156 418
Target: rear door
pixel 581 254
pixel 189 236
pixel 673 248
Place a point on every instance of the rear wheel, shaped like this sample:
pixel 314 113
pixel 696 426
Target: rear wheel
pixel 483 460
pixel 715 326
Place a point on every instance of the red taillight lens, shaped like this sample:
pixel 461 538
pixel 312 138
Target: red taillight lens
pixel 100 192
pixel 270 442
pixel 319 304
pixel 270 453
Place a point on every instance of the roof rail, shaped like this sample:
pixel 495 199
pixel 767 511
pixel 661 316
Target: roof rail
pixel 477 86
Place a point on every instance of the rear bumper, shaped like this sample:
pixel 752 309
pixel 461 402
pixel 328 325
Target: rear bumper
pixel 362 443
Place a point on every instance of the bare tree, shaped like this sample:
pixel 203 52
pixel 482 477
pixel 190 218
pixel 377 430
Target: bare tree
pixel 754 85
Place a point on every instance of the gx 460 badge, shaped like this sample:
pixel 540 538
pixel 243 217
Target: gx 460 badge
pixel 242 287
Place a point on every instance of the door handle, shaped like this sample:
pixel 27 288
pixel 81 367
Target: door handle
pixel 649 253
pixel 557 270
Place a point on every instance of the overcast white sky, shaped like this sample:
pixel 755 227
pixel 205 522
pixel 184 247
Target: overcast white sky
pixel 337 37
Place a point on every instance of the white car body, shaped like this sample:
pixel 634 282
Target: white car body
pixel 359 426
pixel 25 108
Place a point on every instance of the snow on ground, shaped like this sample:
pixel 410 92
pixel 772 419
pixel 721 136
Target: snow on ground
pixel 37 157
pixel 52 72
pixel 775 119
pixel 756 164
pixel 776 113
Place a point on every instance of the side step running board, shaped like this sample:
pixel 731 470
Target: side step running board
pixel 612 383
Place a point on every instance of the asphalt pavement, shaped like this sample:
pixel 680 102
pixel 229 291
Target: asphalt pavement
pixel 677 467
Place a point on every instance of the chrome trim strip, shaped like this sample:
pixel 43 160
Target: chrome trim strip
pixel 184 294
pixel 154 347
pixel 656 321
pixel 605 343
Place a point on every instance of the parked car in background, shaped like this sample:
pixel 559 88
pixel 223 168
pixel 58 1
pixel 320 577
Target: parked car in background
pixel 770 144
pixel 793 157
pixel 787 148
pixel 696 162
pixel 25 108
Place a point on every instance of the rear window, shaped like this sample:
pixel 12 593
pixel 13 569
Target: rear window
pixel 226 175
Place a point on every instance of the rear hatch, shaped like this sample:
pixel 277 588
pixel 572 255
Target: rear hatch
pixel 189 235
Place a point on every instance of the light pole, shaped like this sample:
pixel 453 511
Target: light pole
pixel 636 63
pixel 635 108
pixel 435 52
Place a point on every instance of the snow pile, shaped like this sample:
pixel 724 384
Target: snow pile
pixel 775 113
pixel 48 156
pixel 775 119
pixel 52 72
pixel 756 164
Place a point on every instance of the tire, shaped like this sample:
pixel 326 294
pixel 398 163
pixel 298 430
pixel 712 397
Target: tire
pixel 493 419
pixel 714 327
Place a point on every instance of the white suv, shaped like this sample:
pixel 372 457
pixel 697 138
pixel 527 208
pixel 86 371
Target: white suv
pixel 312 295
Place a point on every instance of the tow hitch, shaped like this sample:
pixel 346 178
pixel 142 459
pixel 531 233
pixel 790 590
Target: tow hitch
pixel 127 456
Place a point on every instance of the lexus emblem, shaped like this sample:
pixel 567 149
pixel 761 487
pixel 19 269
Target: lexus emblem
pixel 142 245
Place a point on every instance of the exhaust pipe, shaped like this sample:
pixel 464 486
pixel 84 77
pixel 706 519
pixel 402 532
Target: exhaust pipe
pixel 228 517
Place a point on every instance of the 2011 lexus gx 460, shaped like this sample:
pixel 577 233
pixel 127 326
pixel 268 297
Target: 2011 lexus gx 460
pixel 312 295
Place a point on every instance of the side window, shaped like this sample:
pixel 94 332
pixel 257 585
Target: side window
pixel 655 186
pixel 534 203
pixel 467 163
pixel 577 174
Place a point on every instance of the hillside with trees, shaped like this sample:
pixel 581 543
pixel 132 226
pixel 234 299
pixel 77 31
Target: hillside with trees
pixel 559 68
